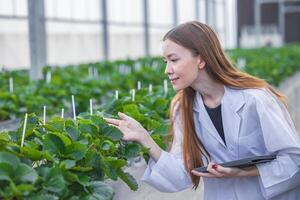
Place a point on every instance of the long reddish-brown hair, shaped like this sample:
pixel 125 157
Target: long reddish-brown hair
pixel 201 40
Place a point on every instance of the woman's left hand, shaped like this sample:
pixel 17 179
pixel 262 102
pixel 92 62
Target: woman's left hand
pixel 218 171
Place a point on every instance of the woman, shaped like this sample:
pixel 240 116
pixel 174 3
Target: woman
pixel 219 114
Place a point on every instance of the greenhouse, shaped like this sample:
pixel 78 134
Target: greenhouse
pixel 150 99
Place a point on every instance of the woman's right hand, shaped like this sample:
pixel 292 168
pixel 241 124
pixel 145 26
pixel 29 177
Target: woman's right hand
pixel 132 130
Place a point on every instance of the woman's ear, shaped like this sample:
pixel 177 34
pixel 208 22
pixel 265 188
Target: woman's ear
pixel 201 63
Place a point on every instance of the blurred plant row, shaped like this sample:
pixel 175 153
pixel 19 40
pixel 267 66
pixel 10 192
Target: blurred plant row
pixel 100 80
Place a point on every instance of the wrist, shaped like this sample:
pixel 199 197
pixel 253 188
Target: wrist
pixel 143 138
pixel 252 171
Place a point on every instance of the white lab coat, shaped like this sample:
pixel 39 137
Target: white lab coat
pixel 255 123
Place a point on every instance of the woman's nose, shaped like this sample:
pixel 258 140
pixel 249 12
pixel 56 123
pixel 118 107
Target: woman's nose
pixel 168 69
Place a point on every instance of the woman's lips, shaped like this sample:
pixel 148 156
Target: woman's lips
pixel 173 80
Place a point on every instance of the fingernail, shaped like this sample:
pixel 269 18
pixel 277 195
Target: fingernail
pixel 215 166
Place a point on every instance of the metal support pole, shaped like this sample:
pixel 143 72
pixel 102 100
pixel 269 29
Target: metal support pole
pixel 257 13
pixel 281 20
pixel 146 28
pixel 207 21
pixel 175 13
pixel 197 14
pixel 213 14
pixel 105 29
pixel 224 22
pixel 37 38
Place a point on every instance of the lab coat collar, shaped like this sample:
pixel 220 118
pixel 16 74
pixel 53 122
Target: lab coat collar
pixel 232 101
pixel 232 97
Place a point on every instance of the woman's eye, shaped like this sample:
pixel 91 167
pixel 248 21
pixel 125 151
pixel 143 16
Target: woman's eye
pixel 174 60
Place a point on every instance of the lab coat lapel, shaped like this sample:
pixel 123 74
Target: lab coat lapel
pixel 205 120
pixel 232 102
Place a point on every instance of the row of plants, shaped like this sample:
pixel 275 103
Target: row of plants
pixel 72 159
pixel 100 80
pixel 74 80
pixel 272 64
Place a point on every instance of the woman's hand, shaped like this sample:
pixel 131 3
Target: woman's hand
pixel 132 130
pixel 218 171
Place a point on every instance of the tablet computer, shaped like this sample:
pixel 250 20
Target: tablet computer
pixel 243 163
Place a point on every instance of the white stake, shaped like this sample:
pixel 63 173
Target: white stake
pixel 24 129
pixel 73 107
pixel 117 94
pixel 150 88
pixel 133 94
pixel 139 85
pixel 48 77
pixel 90 72
pixel 44 116
pixel 165 86
pixel 96 75
pixel 11 84
pixel 91 106
pixel 62 113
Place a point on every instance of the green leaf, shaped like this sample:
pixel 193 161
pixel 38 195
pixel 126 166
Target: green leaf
pixel 6 171
pixel 10 159
pixel 55 181
pixel 128 179
pixel 158 139
pixel 133 111
pixel 76 150
pixel 25 189
pixel 25 173
pixel 99 121
pixel 88 127
pixel 132 150
pixel 151 124
pixel 73 132
pixel 111 132
pixel 68 164
pixel 34 154
pixel 53 144
pixel 160 104
pixel 84 180
pixel 56 124
pixel 43 197
pixel 116 162
pixel 70 122
pixel 108 145
pixel 66 140
pixel 32 119
pixel 163 129
pixel 107 168
pixel 100 191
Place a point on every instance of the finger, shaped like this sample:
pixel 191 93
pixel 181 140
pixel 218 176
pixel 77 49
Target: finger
pixel 212 168
pixel 123 116
pixel 112 121
pixel 113 126
pixel 224 170
pixel 208 175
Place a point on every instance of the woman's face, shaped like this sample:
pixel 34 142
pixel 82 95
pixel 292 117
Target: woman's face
pixel 182 67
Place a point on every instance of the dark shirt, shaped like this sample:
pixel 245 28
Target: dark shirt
pixel 216 118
